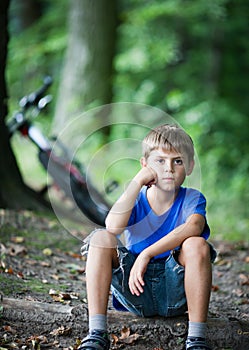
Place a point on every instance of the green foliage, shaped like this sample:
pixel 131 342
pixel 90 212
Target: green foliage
pixel 37 50
pixel 220 135
pixel 165 45
pixel 190 58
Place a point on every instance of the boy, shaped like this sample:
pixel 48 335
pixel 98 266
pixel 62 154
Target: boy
pixel 165 268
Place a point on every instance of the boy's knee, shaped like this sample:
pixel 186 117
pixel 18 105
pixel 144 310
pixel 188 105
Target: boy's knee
pixel 103 239
pixel 196 247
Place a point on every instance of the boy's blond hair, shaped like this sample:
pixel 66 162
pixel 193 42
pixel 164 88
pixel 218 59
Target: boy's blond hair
pixel 171 138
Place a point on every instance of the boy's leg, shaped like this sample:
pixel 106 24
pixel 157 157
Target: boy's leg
pixel 195 257
pixel 102 257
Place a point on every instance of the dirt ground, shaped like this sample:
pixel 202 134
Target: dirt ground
pixel 41 262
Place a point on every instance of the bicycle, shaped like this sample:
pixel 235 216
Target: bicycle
pixel 69 176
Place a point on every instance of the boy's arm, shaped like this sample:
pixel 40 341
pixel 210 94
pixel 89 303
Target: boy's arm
pixel 193 227
pixel 119 214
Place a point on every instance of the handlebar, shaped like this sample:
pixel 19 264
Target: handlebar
pixel 34 97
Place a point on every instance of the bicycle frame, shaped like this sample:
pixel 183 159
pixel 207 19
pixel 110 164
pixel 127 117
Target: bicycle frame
pixel 67 174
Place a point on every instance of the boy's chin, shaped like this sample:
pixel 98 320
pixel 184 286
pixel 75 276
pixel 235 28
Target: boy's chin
pixel 167 187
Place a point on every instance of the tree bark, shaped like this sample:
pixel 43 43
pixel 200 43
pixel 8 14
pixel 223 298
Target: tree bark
pixel 13 192
pixel 8 166
pixel 87 74
pixel 151 331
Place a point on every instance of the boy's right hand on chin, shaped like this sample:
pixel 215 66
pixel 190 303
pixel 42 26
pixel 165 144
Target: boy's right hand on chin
pixel 146 176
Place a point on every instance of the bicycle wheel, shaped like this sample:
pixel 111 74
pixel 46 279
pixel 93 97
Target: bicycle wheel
pixel 76 188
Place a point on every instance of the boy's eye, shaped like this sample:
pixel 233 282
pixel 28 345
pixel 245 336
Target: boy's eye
pixel 160 160
pixel 178 162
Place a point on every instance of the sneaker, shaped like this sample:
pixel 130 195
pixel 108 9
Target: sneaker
pixel 197 344
pixel 95 340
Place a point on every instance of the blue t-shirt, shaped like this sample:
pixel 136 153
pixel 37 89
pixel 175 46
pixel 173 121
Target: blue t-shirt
pixel 145 227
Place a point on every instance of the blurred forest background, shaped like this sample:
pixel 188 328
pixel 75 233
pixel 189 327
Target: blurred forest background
pixel 186 57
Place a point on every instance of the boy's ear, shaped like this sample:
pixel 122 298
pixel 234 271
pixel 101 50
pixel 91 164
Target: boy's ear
pixel 190 167
pixel 143 162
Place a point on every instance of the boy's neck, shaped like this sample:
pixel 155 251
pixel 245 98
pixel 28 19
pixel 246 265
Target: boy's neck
pixel 160 201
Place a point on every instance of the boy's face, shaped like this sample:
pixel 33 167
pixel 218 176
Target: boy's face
pixel 171 168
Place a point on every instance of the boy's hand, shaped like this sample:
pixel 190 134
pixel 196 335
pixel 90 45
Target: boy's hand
pixel 136 281
pixel 146 176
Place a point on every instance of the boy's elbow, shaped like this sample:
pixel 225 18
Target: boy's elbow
pixel 198 229
pixel 115 224
pixel 113 228
pixel 197 222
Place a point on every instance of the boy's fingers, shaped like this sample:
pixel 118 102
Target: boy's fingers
pixel 140 280
pixel 136 281
pixel 139 287
pixel 135 285
pixel 133 288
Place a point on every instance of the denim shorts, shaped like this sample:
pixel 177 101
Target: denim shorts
pixel 164 293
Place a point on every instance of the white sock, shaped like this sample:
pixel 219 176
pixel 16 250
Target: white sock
pixel 98 321
pixel 197 329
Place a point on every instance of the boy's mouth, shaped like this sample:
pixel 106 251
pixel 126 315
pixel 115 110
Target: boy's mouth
pixel 168 179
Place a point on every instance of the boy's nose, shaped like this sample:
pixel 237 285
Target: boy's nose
pixel 169 167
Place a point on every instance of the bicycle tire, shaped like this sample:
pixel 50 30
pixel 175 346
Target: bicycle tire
pixel 82 192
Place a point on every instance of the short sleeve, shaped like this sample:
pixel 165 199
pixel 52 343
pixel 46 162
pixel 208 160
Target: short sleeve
pixel 195 203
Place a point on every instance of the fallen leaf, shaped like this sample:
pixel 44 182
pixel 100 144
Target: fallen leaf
pixel 114 338
pixel 131 339
pixel 17 239
pixel 61 331
pixel 125 332
pixel 74 255
pixel 9 270
pixel 9 329
pixel 45 264
pixel 215 288
pixel 77 342
pixel 238 292
pixel 20 275
pixel 37 339
pixel 61 297
pixel 56 277
pixel 47 252
pixel 31 262
pixel 126 337
pixel 2 265
pixel 222 262
pixel 244 279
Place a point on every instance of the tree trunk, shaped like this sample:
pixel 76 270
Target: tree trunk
pixel 13 192
pixel 87 75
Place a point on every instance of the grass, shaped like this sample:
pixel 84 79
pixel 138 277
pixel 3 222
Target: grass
pixel 32 234
pixel 10 283
pixel 53 237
